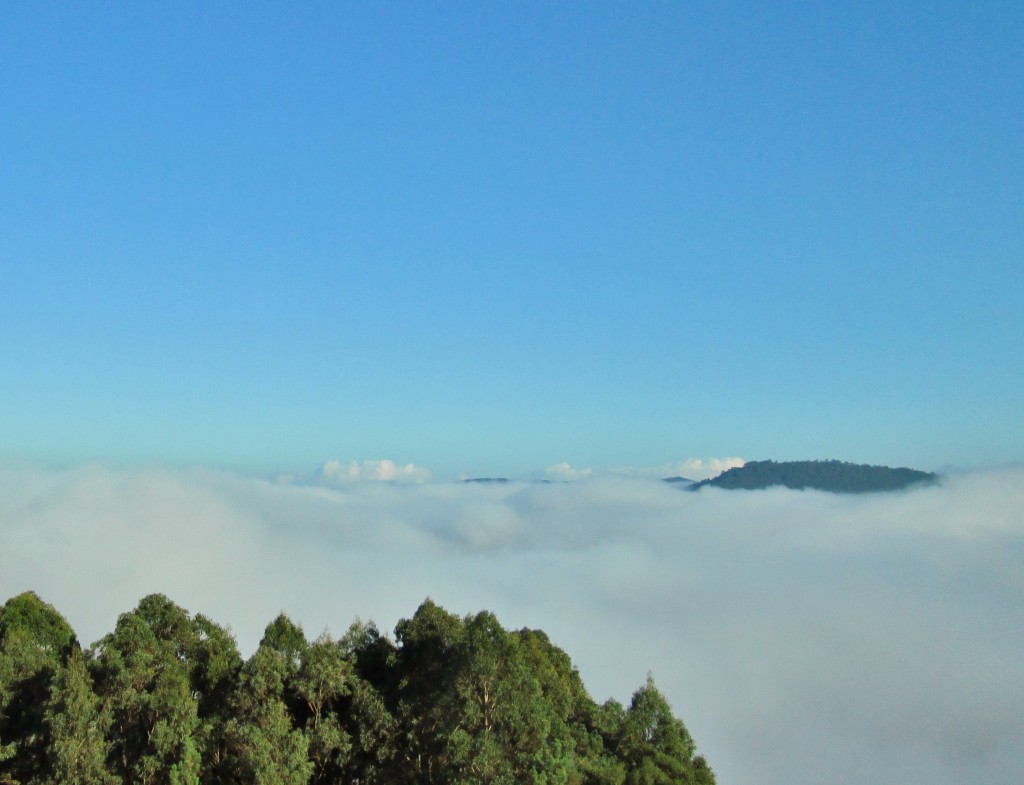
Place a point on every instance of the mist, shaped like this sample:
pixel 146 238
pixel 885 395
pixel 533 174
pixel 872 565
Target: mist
pixel 803 637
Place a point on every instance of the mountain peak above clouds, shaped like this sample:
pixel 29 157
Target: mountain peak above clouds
pixel 830 475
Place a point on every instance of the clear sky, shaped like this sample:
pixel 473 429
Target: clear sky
pixel 492 237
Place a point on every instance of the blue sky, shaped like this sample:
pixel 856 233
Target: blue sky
pixel 488 238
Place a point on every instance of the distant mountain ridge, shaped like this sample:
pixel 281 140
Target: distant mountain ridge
pixel 832 476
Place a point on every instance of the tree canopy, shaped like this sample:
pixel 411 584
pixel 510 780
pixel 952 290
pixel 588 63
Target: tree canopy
pixel 166 699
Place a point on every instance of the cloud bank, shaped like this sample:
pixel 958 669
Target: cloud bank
pixel 691 468
pixel 566 472
pixel 371 471
pixel 803 637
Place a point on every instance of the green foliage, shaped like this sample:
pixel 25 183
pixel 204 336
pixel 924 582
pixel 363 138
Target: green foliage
pixel 832 476
pixel 264 745
pixel 144 674
pixel 367 713
pixel 214 665
pixel 79 727
pixel 285 636
pixel 28 616
pixel 559 681
pixel 321 683
pixel 165 699
pixel 187 771
pixel 506 731
pixel 426 664
pixel 654 744
pixel 34 642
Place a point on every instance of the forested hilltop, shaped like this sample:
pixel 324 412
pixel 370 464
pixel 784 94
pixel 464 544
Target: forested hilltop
pixel 166 699
pixel 833 476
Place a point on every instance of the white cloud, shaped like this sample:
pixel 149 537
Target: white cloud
pixel 374 471
pixel 803 637
pixel 691 468
pixel 565 472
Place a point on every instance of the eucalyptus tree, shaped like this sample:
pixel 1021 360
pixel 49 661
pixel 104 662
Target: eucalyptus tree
pixel 214 664
pixel 655 744
pixel 590 727
pixel 508 729
pixel 426 665
pixel 263 744
pixel 165 699
pixel 141 676
pixel 315 680
pixel 469 708
pixel 78 723
pixel 368 709
pixel 35 640
pixel 323 682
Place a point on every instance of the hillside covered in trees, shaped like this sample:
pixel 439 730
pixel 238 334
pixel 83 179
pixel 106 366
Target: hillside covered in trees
pixel 166 699
pixel 833 476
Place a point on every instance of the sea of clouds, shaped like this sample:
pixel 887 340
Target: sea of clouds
pixel 803 637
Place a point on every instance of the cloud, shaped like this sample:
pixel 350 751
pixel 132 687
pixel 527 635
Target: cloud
pixel 374 471
pixel 803 637
pixel 691 468
pixel 565 473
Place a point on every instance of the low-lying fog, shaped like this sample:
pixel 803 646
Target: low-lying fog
pixel 803 637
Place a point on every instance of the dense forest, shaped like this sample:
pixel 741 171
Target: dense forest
pixel 167 699
pixel 833 476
